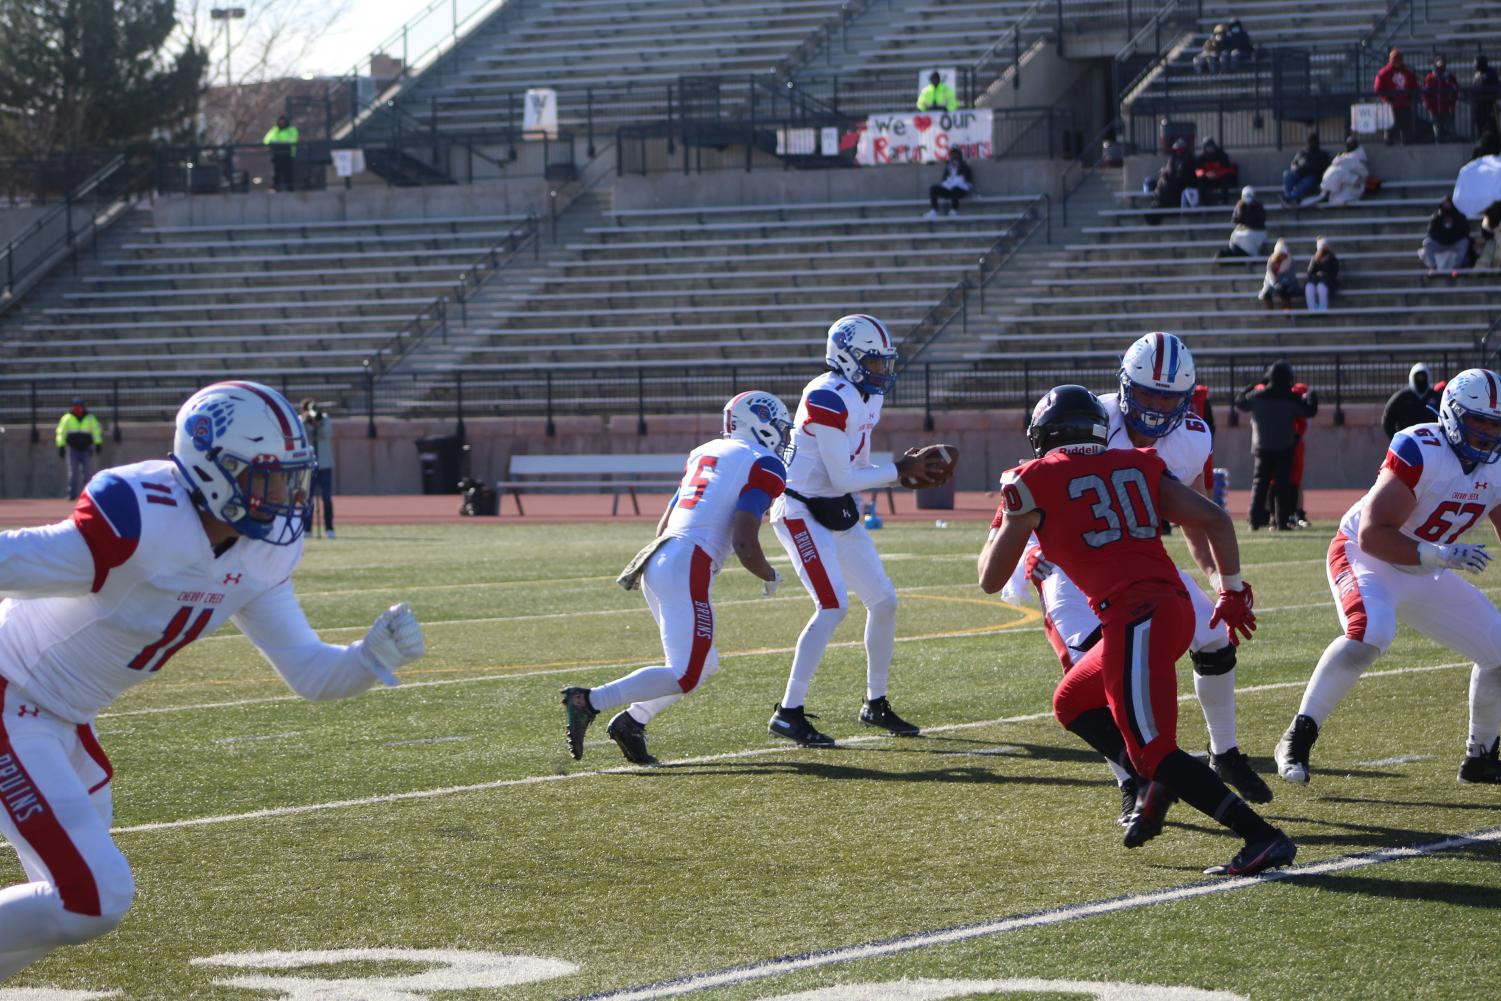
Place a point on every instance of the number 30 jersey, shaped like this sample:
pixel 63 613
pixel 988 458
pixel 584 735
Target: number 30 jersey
pixel 722 477
pixel 1450 500
pixel 101 602
pixel 1099 516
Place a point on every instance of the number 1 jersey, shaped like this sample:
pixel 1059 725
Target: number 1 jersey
pixel 1099 516
pixel 99 603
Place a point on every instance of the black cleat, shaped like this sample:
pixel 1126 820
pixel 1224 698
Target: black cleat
pixel 793 724
pixel 580 715
pixel 1482 767
pixel 1234 768
pixel 1294 747
pixel 1151 810
pixel 630 736
pixel 1257 856
pixel 1128 802
pixel 878 712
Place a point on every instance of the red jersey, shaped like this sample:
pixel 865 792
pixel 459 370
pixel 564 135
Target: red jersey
pixel 1100 520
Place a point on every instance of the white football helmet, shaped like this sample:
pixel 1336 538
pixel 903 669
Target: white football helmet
pixel 1472 393
pixel 244 457
pixel 861 349
pixel 760 419
pixel 1158 363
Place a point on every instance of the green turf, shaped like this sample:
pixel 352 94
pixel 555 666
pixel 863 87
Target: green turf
pixel 743 848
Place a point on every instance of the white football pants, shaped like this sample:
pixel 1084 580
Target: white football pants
pixel 678 584
pixel 824 561
pixel 55 810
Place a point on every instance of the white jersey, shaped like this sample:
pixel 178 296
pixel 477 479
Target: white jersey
pixel 103 601
pixel 1185 449
pixel 1451 501
pixel 722 477
pixel 831 401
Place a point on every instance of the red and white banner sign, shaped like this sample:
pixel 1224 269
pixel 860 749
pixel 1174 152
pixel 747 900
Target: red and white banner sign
pixel 925 136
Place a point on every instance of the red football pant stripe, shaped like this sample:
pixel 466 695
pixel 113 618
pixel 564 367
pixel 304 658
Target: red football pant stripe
pixel 1351 604
pixel 700 573
pixel 38 826
pixel 807 554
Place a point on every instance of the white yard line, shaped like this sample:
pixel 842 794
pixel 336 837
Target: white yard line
pixel 1023 922
pixel 780 748
pixel 1401 759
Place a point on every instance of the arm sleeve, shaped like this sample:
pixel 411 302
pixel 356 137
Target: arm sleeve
pixel 315 670
pixel 62 438
pixel 44 562
pixel 834 448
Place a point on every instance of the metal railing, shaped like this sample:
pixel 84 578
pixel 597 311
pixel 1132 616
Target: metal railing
pixel 68 227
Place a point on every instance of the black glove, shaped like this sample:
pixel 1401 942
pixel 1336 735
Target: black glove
pixel 62 451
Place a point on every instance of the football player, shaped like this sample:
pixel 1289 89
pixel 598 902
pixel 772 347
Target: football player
pixel 156 555
pixel 1098 513
pixel 1152 410
pixel 727 487
pixel 1394 558
pixel 818 519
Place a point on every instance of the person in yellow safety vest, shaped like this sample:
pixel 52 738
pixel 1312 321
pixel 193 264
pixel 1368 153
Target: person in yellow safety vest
pixel 282 139
pixel 77 432
pixel 937 94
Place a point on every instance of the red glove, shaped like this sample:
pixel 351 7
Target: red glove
pixel 1234 609
pixel 1036 566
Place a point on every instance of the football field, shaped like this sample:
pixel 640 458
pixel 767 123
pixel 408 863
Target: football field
pixel 436 841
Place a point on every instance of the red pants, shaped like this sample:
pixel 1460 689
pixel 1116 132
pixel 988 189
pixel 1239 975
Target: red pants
pixel 1134 670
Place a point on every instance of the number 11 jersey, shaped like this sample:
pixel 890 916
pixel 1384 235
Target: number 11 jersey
pixel 1099 516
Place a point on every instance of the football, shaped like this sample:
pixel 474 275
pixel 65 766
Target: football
pixel 948 457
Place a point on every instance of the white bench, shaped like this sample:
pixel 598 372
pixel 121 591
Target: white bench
pixel 624 472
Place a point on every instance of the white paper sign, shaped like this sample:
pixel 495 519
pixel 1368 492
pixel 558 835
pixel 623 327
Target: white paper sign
pixel 348 162
pixel 540 111
pixel 947 74
pixel 828 141
pixel 925 137
pixel 1373 117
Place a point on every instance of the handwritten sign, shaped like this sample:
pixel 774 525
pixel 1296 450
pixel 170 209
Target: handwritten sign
pixel 925 136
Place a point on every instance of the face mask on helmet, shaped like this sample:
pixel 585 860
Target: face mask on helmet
pixel 1157 382
pixel 1470 415
pixel 760 419
pixel 861 349
pixel 241 451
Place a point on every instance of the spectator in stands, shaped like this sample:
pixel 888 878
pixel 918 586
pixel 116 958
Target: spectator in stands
pixel 1274 406
pixel 1217 175
pixel 1238 44
pixel 1414 403
pixel 1323 275
pixel 1485 91
pixel 1440 98
pixel 1301 179
pixel 1176 179
pixel 79 438
pixel 1395 84
pixel 958 182
pixel 1490 242
pixel 1249 222
pixel 1281 280
pixel 1446 247
pixel 937 95
pixel 1215 55
pixel 1344 182
pixel 320 432
pixel 281 139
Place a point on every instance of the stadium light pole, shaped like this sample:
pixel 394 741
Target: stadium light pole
pixel 227 14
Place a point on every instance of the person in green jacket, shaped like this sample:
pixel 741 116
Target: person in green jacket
pixel 937 94
pixel 282 139
pixel 79 438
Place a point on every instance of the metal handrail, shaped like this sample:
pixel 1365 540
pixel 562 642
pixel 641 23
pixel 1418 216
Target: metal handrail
pixel 30 237
pixel 434 316
pixel 1010 39
pixel 1133 45
pixel 955 302
pixel 1087 170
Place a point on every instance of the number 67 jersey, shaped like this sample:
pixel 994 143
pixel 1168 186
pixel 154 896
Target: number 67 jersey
pixel 1450 501
pixel 101 602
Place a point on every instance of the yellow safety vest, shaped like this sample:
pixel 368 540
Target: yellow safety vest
pixel 940 96
pixel 88 425
pixel 282 136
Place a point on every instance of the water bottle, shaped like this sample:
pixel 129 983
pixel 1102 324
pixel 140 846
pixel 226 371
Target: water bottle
pixel 1221 486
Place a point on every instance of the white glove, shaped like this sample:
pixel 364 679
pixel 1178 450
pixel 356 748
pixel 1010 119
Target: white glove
pixel 394 640
pixel 769 587
pixel 1457 556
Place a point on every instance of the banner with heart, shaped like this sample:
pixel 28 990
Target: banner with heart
pixel 925 137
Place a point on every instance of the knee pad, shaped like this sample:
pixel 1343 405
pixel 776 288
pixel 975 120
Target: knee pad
pixel 834 616
pixel 76 929
pixel 884 605
pixel 1213 662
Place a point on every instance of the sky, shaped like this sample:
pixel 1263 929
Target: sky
pixel 366 24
